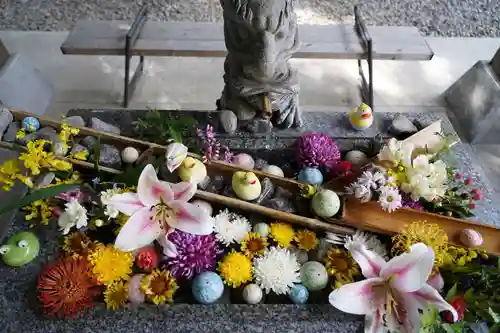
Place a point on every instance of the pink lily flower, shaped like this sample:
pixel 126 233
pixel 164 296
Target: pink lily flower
pixel 157 209
pixel 393 291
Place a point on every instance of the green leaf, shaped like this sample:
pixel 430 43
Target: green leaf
pixel 130 176
pixel 43 193
pixel 452 292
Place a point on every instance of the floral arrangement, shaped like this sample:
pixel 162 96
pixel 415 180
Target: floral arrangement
pixel 414 178
pixel 142 239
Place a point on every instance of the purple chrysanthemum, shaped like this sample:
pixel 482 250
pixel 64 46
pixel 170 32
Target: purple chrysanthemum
pixel 407 202
pixel 317 149
pixel 196 254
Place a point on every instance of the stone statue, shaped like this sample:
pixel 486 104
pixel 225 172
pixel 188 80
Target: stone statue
pixel 260 88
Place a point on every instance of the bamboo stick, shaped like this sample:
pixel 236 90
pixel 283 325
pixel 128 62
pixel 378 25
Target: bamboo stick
pixel 272 213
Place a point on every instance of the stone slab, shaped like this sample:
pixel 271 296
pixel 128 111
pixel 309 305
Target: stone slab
pixel 474 100
pixel 17 286
pixel 4 54
pixel 495 63
pixel 24 87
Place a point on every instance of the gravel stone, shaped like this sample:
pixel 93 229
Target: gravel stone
pixel 103 126
pixel 5 120
pixel 89 142
pixel 109 156
pixel 75 121
pixel 10 133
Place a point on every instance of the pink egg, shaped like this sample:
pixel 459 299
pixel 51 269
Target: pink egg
pixel 135 295
pixel 244 161
pixel 471 238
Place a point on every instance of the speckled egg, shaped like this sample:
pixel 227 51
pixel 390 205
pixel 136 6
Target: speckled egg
pixel 130 155
pixel 471 238
pixel 274 170
pixel 356 157
pixel 313 275
pixel 135 295
pixel 311 176
pixel 299 294
pixel 206 206
pixel 262 229
pixel 325 203
pixel 252 294
pixel 207 287
pixel 31 124
pixel 244 161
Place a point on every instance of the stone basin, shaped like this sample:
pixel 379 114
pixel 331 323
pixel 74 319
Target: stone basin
pixel 18 285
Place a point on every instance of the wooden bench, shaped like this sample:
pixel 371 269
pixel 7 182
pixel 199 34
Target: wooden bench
pixel 188 39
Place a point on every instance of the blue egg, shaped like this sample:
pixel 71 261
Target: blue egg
pixel 31 124
pixel 299 294
pixel 311 176
pixel 207 287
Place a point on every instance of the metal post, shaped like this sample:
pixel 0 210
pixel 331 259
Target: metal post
pixel 366 42
pixel 130 41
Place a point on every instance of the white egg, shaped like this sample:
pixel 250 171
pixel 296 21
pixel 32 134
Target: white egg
pixel 252 294
pixel 356 157
pixel 262 229
pixel 130 155
pixel 273 170
pixel 206 206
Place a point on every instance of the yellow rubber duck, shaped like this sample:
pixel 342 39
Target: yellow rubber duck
pixel 246 185
pixel 362 117
pixel 193 170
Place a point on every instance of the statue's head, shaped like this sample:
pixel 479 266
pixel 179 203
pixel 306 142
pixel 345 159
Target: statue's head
pixel 262 33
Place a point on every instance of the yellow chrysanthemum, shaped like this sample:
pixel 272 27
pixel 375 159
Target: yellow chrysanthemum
pixel 38 209
pixel 282 234
pixel 235 269
pixel 110 264
pixel 116 295
pixel 78 244
pixel 253 245
pixel 421 232
pixel 341 265
pixel 159 286
pixel 458 256
pixel 306 240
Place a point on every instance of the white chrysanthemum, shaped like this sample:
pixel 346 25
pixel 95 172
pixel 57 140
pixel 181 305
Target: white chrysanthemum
pixel 369 240
pixel 389 199
pixel 110 210
pixel 75 215
pixel 230 227
pixel 277 270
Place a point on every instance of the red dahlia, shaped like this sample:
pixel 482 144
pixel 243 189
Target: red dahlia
pixel 66 288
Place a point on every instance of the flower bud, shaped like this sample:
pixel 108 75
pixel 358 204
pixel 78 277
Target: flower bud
pixel 468 181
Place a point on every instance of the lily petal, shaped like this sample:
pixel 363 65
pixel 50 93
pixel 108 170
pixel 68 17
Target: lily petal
pixel 126 203
pixel 150 189
pixel 428 296
pixel 370 262
pixel 183 191
pixel 374 323
pixel 169 248
pixel 356 298
pixel 436 281
pixel 191 219
pixel 409 271
pixel 140 230
pixel 407 312
pixel 175 154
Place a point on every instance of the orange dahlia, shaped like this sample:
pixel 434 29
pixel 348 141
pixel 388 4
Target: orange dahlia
pixel 66 287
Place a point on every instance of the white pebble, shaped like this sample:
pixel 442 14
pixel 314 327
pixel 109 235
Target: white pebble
pixel 273 170
pixel 252 294
pixel 262 229
pixel 356 157
pixel 130 155
pixel 302 256
pixel 206 206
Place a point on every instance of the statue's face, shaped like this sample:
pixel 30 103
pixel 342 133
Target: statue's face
pixel 20 249
pixel 264 37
